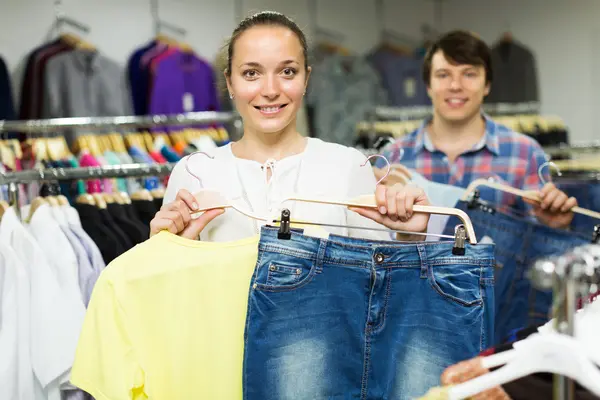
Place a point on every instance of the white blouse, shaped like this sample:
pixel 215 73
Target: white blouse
pixel 322 170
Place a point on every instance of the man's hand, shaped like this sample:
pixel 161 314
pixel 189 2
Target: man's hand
pixel 554 210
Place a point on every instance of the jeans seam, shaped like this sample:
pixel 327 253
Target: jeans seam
pixel 247 327
pixel 388 289
pixel 366 362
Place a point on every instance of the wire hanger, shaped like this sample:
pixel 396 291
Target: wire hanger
pixel 526 194
pixel 210 199
pixel 369 201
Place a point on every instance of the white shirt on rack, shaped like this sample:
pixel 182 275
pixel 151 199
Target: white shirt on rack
pixel 57 248
pixel 94 254
pixel 323 170
pixel 16 376
pixel 56 318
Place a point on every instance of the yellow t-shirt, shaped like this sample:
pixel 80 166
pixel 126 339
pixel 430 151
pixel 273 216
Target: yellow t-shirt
pixel 166 321
pixel 436 393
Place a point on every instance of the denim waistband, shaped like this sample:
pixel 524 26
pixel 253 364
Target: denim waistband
pixel 384 254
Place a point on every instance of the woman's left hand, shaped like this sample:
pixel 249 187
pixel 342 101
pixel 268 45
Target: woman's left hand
pixel 395 208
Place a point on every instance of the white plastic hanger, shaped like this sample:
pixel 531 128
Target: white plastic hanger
pixel 551 352
pixel 209 199
pixel 526 194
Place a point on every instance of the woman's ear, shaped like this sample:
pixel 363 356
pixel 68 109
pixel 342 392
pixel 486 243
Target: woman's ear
pixel 308 71
pixel 228 82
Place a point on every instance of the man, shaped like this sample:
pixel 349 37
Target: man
pixel 459 144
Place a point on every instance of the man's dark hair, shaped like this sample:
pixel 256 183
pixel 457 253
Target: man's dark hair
pixel 460 47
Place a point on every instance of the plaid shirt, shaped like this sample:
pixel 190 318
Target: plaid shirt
pixel 507 156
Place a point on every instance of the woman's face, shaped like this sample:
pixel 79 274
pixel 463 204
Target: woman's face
pixel 268 79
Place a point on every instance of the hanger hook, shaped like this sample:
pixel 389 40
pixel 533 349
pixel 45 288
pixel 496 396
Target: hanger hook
pixel 187 168
pixel 389 167
pixel 548 164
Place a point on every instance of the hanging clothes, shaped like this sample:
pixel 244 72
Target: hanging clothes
pixel 32 87
pixel 7 108
pixel 401 77
pixel 342 91
pixel 515 74
pixel 182 83
pixel 82 83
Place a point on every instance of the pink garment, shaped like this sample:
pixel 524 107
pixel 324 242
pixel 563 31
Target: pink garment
pixel 93 185
pixel 156 61
pixel 153 52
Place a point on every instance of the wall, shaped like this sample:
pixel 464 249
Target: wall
pixel 564 35
pixel 120 26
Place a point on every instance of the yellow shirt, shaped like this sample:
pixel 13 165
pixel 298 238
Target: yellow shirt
pixel 166 321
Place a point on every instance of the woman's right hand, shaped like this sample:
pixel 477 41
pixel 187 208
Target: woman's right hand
pixel 176 217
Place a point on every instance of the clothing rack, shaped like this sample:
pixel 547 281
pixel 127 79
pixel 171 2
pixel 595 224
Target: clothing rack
pixel 12 179
pixel 45 126
pixel 568 275
pixel 498 109
pixel 576 147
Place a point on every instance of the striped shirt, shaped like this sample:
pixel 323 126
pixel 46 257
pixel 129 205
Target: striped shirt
pixel 506 156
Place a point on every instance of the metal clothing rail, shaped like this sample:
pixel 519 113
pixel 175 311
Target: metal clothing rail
pixel 12 179
pixel 67 174
pixel 569 275
pixel 45 126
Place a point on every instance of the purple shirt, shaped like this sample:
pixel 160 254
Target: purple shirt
pixel 183 83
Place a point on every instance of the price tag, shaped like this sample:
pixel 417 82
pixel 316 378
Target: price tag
pixel 188 102
pixel 410 87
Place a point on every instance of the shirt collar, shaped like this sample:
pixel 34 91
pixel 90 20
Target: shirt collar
pixel 489 139
pixel 86 60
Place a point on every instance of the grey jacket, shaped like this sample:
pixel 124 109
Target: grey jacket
pixel 84 84
pixel 515 74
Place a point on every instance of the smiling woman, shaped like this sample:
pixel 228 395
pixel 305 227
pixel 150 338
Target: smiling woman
pixel 267 75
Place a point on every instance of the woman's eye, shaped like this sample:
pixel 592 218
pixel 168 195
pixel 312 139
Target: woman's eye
pixel 250 73
pixel 289 72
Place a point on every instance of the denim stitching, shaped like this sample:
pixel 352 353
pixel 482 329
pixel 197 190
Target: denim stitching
pixel 388 289
pixel 433 283
pixel 247 326
pixel 366 358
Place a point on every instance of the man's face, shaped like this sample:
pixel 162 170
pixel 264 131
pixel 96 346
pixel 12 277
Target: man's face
pixel 456 91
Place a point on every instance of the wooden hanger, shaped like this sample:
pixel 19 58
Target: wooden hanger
pixel 100 202
pixel 52 201
pixel 125 197
pixel 16 146
pixel 86 198
pixel 62 200
pixel 118 198
pixel 8 156
pixel 158 193
pixel 108 198
pixel 3 207
pixel 35 204
pixel 526 194
pixel 208 199
pixel 143 194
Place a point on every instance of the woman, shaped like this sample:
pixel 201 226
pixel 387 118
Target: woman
pixel 267 76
